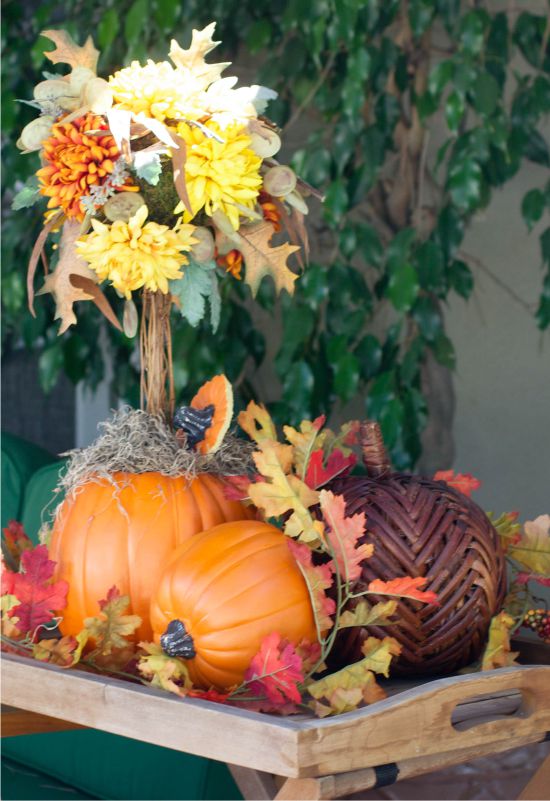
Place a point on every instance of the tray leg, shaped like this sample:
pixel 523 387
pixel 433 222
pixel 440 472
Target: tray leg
pixel 254 784
pixel 538 787
pixel 300 790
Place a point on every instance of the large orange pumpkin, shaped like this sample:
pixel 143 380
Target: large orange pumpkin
pixel 105 535
pixel 230 587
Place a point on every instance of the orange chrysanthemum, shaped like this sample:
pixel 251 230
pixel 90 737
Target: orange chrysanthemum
pixel 270 210
pixel 75 162
pixel 232 263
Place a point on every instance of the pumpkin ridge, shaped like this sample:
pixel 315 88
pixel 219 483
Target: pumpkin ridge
pixel 244 624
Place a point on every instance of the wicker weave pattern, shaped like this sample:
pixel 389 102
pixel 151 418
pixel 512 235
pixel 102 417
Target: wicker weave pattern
pixel 422 527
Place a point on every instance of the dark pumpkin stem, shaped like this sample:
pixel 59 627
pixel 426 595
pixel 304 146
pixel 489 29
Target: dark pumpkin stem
pixel 177 642
pixel 194 422
pixel 375 455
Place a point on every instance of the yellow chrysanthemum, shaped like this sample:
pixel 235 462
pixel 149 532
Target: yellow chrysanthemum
pixel 220 175
pixel 136 254
pixel 158 90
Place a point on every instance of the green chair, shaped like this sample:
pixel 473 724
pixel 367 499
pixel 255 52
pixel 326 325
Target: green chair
pixel 88 763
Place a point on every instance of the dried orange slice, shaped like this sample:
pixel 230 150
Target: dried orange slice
pixel 218 393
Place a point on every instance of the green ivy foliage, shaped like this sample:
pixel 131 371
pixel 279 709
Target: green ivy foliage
pixel 370 77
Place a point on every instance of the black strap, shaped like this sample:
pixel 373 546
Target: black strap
pixel 386 774
pixel 546 737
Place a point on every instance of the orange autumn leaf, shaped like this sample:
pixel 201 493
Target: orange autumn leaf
pixel 111 628
pixel 405 587
pixel 64 652
pixel 498 651
pixel 262 259
pixel 275 671
pixel 67 51
pixel 257 423
pixel 463 482
pixel 344 535
pixel 318 579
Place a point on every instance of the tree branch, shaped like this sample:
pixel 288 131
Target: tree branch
pixel 478 264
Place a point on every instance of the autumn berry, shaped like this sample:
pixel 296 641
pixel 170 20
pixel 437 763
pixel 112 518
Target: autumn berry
pixel 538 620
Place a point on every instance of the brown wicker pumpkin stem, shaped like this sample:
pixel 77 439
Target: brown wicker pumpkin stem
pixel 375 456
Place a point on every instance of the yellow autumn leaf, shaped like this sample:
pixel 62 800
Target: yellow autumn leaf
pixel 308 439
pixel 192 58
pixel 533 549
pixel 379 653
pixel 497 652
pixel 64 652
pixel 366 614
pixel 261 259
pixel 344 690
pixel 111 628
pixel 68 52
pixel 164 671
pixel 257 423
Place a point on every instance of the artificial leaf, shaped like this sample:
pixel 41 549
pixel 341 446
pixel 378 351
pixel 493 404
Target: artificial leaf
pixel 365 614
pixel 310 654
pixel 147 166
pixel 37 249
pixel 320 472
pixel 179 157
pixel 209 695
pixel 197 285
pixel 59 282
pixel 192 59
pixel 28 195
pixel 283 493
pixel 344 535
pixel 8 624
pixel 379 653
pixel 533 549
pixel 64 652
pixel 497 652
pixel 14 543
pixel 524 578
pixel 275 671
pixel 96 295
pixel 304 442
pixel 463 482
pixel 236 487
pixel 68 52
pixel 318 579
pixel 261 259
pixel 257 423
pixel 38 598
pixel 163 671
pixel 110 629
pixel 405 587
pixel 508 529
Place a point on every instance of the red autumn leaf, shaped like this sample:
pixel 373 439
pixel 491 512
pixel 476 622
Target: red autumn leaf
pixel 318 579
pixel 405 587
pixel 351 432
pixel 209 695
pixel 39 599
pixel 8 580
pixel 15 541
pixel 344 534
pixel 236 487
pixel 275 671
pixel 523 578
pixel 319 422
pixel 463 482
pixel 319 473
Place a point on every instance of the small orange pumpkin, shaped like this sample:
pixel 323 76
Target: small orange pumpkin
pixel 230 587
pixel 123 534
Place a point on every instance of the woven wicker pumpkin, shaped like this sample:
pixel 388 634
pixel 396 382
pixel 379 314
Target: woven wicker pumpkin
pixel 422 527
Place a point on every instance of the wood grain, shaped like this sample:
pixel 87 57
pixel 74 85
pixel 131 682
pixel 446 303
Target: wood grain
pixel 538 788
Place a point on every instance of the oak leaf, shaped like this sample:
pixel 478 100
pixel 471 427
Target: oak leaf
pixel 192 59
pixel 318 579
pixel 8 624
pixel 405 587
pixel 163 671
pixel 235 488
pixel 344 535
pixel 275 671
pixel 64 652
pixel 379 653
pixel 463 482
pixel 533 549
pixel 14 543
pixel 497 652
pixel 256 421
pixel 38 598
pixel 111 627
pixel 305 441
pixel 365 614
pixel 262 259
pixel 68 52
pixel 320 472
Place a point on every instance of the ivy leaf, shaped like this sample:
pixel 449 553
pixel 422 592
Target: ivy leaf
pixel 27 196
pixel 163 671
pixel 198 284
pixel 38 598
pixel 405 587
pixel 257 423
pixel 497 652
pixel 14 543
pixel 64 652
pixel 148 166
pixel 344 533
pixel 304 442
pixel 275 671
pixel 533 549
pixel 320 472
pixel 463 482
pixel 318 579
pixel 111 628
pixel 262 259
pixel 366 614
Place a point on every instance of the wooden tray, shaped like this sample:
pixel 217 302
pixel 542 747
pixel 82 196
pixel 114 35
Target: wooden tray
pixel 415 730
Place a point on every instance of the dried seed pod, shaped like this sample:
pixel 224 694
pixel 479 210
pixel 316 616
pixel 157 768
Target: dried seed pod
pixel 280 181
pixel 35 132
pixel 79 77
pixel 295 199
pixel 204 249
pixel 98 95
pixel 264 141
pixel 130 319
pixel 122 206
pixel 176 641
pixel 57 91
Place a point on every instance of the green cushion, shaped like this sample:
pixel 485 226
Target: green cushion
pixel 111 767
pixel 40 499
pixel 20 459
pixel 20 783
